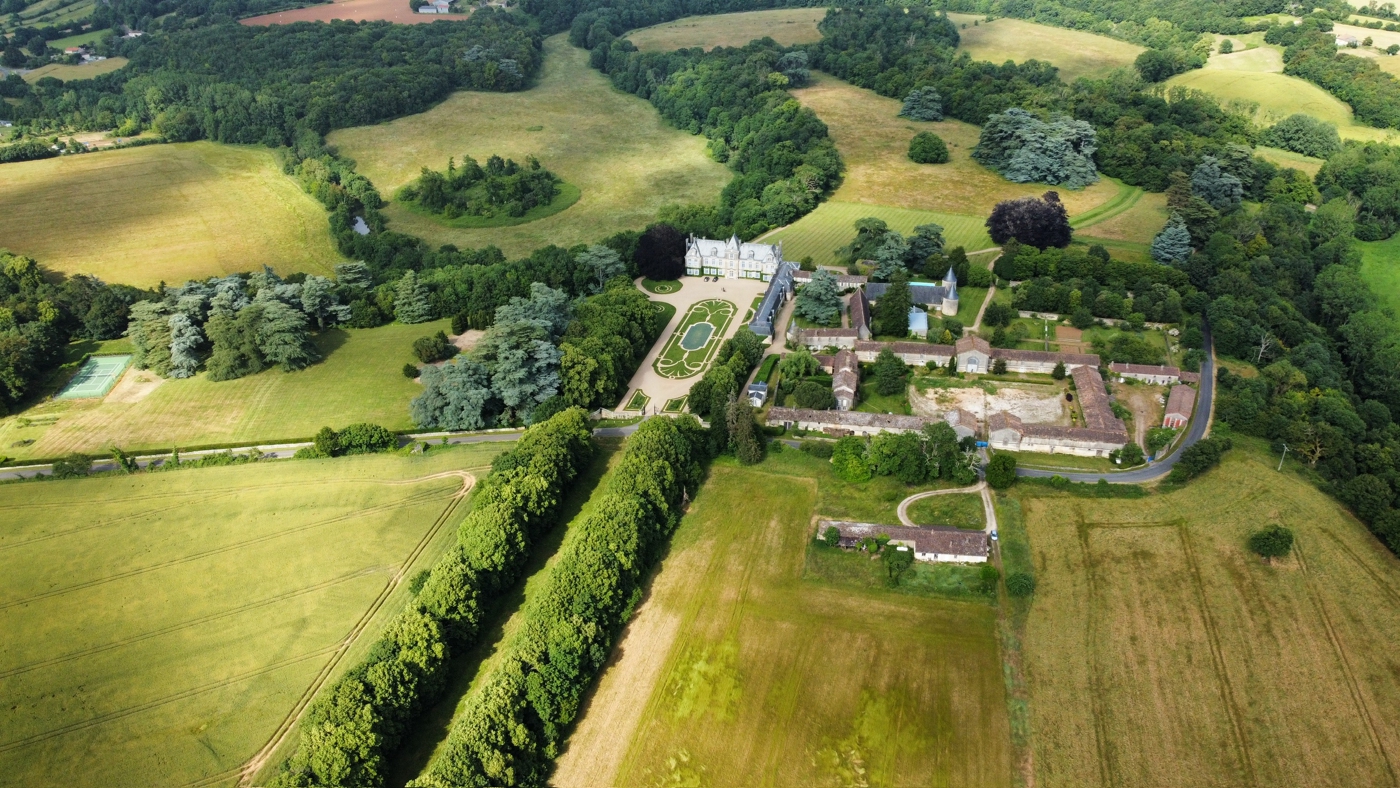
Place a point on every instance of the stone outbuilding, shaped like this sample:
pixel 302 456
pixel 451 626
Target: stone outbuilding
pixel 938 543
pixel 1180 403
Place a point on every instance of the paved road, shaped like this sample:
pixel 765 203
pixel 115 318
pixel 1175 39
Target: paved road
pixel 1156 470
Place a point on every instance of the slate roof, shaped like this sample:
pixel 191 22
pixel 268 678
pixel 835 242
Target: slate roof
pixel 919 292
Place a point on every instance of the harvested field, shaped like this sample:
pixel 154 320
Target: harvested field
pixel 360 379
pixel 1158 645
pixel 396 11
pixel 787 26
pixel 1031 403
pixel 743 694
pixel 161 627
pixel 614 147
pixel 874 142
pixel 69 73
pixel 169 213
pixel 1075 53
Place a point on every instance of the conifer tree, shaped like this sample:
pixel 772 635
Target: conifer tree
pixel 411 300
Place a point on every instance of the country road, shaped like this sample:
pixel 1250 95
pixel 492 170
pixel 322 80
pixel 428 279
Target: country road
pixel 1155 470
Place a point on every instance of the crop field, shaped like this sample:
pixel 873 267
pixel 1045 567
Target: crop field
pixel 360 379
pixel 396 11
pixel 1157 644
pixel 1380 267
pixel 1075 53
pixel 1256 76
pixel 787 26
pixel 161 628
pixel 614 147
pixel 69 73
pixel 695 340
pixel 874 142
pixel 832 225
pixel 168 213
pixel 739 669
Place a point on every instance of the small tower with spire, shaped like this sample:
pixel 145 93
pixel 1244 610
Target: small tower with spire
pixel 950 293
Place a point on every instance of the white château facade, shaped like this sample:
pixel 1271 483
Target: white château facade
pixel 732 259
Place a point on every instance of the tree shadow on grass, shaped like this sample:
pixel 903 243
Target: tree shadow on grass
pixel 436 721
pixel 330 340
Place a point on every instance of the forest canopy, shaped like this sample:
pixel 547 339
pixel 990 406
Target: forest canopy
pixel 501 188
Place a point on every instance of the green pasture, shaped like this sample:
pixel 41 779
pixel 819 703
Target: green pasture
pixel 787 26
pixel 1158 644
pixel 360 379
pixel 1074 52
pixel 162 627
pixel 1380 267
pixel 661 287
pixel 614 147
pixel 168 213
pixel 696 340
pixel 960 510
pixel 744 668
pixel 832 225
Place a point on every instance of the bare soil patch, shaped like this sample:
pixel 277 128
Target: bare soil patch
pixel 1033 405
pixel 355 10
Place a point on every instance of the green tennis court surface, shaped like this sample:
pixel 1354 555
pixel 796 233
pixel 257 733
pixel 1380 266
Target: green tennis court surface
pixel 96 378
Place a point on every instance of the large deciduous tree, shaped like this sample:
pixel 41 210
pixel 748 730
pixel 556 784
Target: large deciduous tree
pixel 1041 223
pixel 660 253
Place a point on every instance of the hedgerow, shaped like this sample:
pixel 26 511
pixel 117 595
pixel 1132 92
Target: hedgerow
pixel 360 719
pixel 514 728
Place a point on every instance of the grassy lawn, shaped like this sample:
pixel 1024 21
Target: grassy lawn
pixel 837 567
pixel 832 225
pixel 163 213
pixel 613 146
pixel 1066 462
pixel 360 379
pixel 787 26
pixel 165 624
pixel 962 510
pixel 1380 267
pixel 661 287
pixel 1287 158
pixel 1075 53
pixel 638 401
pixel 874 142
pixel 1157 643
pixel 741 668
pixel 1137 223
pixel 969 301
pixel 676 405
pixel 867 401
pixel 689 349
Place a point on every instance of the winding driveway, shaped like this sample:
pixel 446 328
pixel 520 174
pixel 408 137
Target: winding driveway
pixel 980 487
pixel 1205 406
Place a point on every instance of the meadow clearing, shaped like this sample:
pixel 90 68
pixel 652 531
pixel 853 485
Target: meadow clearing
pixel 1256 76
pixel 1380 267
pixel 168 213
pixel 874 142
pixel 832 225
pixel 360 379
pixel 396 11
pixel 162 627
pixel 741 669
pixel 1156 644
pixel 1074 52
pixel 614 147
pixel 787 26
pixel 69 73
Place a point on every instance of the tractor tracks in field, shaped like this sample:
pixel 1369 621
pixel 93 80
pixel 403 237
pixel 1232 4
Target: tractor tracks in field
pixel 414 499
pixel 284 729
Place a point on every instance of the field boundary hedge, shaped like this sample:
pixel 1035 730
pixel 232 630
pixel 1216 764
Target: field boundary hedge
pixel 360 719
pixel 515 726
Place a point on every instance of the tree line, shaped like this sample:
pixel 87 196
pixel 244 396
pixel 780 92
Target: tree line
pixel 357 723
pixel 517 721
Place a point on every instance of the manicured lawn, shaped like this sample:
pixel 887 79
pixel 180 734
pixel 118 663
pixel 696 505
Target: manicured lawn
pixel 744 668
pixel 1137 223
pixel 1156 643
pixel 160 627
pixel 661 287
pixel 167 213
pixel 962 510
pixel 867 401
pixel 638 401
pixel 874 143
pixel 1075 53
pixel 832 225
pixel 696 340
pixel 856 569
pixel 787 26
pixel 360 379
pixel 613 146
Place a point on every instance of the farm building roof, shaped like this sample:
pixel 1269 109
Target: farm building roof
pixel 848 418
pixel 1011 354
pixel 943 539
pixel 1145 369
pixel 1181 401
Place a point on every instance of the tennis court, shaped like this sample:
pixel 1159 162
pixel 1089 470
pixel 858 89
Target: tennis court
pixel 96 378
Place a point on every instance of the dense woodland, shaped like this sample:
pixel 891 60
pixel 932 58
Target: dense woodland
pixel 501 188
